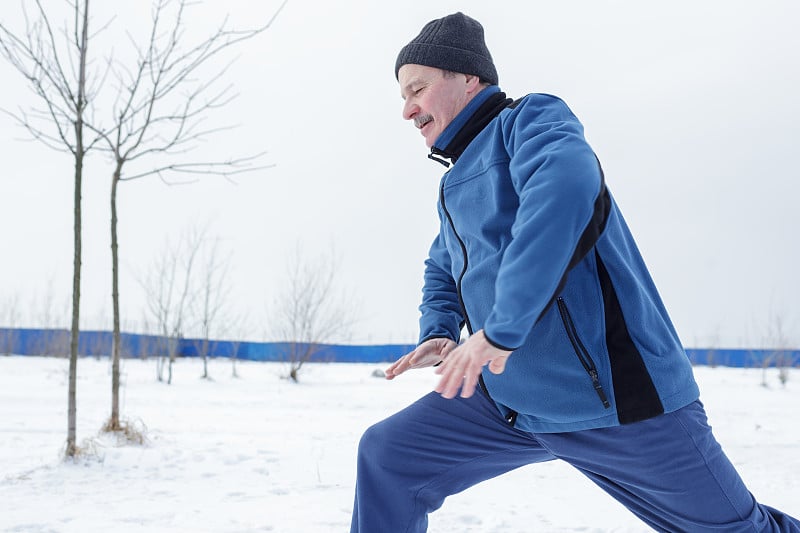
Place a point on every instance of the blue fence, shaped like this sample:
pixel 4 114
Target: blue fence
pixel 55 342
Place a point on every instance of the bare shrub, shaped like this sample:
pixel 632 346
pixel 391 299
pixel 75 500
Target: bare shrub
pixel 127 431
pixel 311 310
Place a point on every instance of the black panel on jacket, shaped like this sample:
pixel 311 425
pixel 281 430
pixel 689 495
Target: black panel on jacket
pixel 634 393
pixel 589 237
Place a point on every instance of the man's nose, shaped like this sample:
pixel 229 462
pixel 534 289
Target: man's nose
pixel 410 109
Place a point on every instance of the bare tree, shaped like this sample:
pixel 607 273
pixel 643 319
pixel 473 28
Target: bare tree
pixel 162 102
pixel 235 344
pixel 239 326
pixel 212 296
pixel 199 266
pixel 168 288
pixel 780 356
pixel 310 311
pixel 54 64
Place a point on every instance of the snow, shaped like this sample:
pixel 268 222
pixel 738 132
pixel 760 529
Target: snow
pixel 260 453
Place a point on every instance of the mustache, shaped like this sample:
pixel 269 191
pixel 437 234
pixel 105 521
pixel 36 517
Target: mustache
pixel 421 120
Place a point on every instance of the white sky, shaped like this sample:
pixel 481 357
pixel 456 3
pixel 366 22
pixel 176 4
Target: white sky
pixel 691 106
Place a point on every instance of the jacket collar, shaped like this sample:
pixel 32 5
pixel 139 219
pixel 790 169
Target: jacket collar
pixel 455 138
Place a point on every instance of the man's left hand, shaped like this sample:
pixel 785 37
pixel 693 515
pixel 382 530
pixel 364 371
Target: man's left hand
pixel 463 366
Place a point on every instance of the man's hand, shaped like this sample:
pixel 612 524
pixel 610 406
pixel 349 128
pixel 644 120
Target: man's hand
pixel 463 366
pixel 426 354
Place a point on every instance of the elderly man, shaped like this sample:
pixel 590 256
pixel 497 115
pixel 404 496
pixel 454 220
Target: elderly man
pixel 570 352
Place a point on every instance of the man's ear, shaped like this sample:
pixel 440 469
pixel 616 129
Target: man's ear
pixel 473 82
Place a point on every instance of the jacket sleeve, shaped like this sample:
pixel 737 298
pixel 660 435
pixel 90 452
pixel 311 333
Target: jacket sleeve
pixel 558 180
pixel 441 311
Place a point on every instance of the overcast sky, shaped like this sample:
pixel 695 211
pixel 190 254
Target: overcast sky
pixel 691 107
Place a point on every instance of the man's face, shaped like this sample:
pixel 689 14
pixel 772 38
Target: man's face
pixel 433 97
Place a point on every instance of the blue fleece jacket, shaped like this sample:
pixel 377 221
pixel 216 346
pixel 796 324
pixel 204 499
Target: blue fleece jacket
pixel 533 250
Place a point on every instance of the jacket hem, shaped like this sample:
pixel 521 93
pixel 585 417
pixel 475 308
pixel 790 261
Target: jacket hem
pixel 532 424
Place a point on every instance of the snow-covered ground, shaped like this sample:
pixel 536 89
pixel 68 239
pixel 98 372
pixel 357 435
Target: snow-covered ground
pixel 258 453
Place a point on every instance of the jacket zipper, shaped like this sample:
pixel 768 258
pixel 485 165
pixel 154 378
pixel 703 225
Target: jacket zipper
pixel 511 417
pixel 464 254
pixel 581 352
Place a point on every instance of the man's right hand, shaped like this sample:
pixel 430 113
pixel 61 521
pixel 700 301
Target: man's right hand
pixel 429 353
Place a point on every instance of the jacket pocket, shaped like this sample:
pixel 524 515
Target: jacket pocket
pixel 580 350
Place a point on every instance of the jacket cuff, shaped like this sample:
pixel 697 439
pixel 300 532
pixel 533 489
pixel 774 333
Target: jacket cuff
pixel 426 339
pixel 496 344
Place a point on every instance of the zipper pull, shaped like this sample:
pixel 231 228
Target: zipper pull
pixel 599 388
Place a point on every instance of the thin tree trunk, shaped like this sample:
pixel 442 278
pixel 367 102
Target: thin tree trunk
pixel 205 357
pixel 72 449
pixel 76 299
pixel 113 423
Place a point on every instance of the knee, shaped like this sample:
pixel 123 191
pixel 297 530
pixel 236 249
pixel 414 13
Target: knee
pixel 374 444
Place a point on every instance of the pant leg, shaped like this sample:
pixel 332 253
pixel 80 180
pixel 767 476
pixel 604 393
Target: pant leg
pixel 410 462
pixel 671 472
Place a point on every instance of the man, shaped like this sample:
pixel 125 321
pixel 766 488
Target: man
pixel 571 354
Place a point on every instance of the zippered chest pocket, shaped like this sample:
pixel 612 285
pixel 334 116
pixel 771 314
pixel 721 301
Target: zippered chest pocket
pixel 580 351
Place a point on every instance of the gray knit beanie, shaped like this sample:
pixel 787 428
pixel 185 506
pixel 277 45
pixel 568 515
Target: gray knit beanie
pixel 453 43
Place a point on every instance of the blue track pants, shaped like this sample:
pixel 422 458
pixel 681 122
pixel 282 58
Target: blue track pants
pixel 669 470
